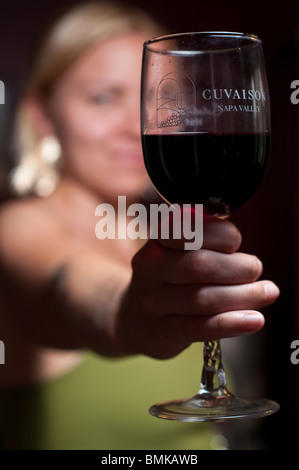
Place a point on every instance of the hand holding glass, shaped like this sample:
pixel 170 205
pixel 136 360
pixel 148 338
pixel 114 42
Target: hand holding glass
pixel 205 118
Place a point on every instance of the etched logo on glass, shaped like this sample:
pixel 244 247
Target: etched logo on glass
pixel 176 98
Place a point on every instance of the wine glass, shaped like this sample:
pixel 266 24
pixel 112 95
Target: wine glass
pixel 205 119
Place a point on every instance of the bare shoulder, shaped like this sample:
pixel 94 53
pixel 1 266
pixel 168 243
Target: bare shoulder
pixel 23 220
pixel 31 238
pixel 19 214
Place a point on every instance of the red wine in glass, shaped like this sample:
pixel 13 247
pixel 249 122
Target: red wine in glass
pixel 221 171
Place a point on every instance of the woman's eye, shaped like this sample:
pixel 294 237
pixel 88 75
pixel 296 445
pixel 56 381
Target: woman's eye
pixel 102 98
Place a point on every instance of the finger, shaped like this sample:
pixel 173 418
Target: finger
pixel 220 235
pixel 211 300
pixel 205 266
pixel 190 329
pixel 217 234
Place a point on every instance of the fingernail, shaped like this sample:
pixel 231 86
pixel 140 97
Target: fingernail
pixel 253 321
pixel 271 290
pixel 260 264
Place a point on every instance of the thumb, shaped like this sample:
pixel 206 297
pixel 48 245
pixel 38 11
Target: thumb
pixel 180 227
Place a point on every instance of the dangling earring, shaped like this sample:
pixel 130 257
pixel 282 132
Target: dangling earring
pixel 50 149
pixel 48 172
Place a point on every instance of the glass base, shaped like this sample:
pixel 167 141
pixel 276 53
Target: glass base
pixel 213 407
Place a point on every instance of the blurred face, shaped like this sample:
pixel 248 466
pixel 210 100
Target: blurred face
pixel 95 110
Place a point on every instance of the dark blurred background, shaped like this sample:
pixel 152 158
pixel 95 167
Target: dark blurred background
pixel 269 222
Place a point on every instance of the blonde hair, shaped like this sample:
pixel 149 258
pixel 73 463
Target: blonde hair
pixel 37 172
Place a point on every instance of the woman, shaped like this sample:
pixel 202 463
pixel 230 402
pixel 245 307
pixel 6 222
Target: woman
pixel 76 293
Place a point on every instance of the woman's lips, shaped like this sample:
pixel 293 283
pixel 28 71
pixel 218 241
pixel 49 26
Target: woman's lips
pixel 128 158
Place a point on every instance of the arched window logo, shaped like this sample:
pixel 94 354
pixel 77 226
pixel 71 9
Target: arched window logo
pixel 2 92
pixel 175 99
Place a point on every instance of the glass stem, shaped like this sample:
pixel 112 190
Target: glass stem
pixel 213 379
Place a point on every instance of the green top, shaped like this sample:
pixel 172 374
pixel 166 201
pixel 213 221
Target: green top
pixel 102 404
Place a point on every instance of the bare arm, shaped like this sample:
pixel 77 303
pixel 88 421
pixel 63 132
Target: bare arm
pixel 60 291
pixel 171 298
